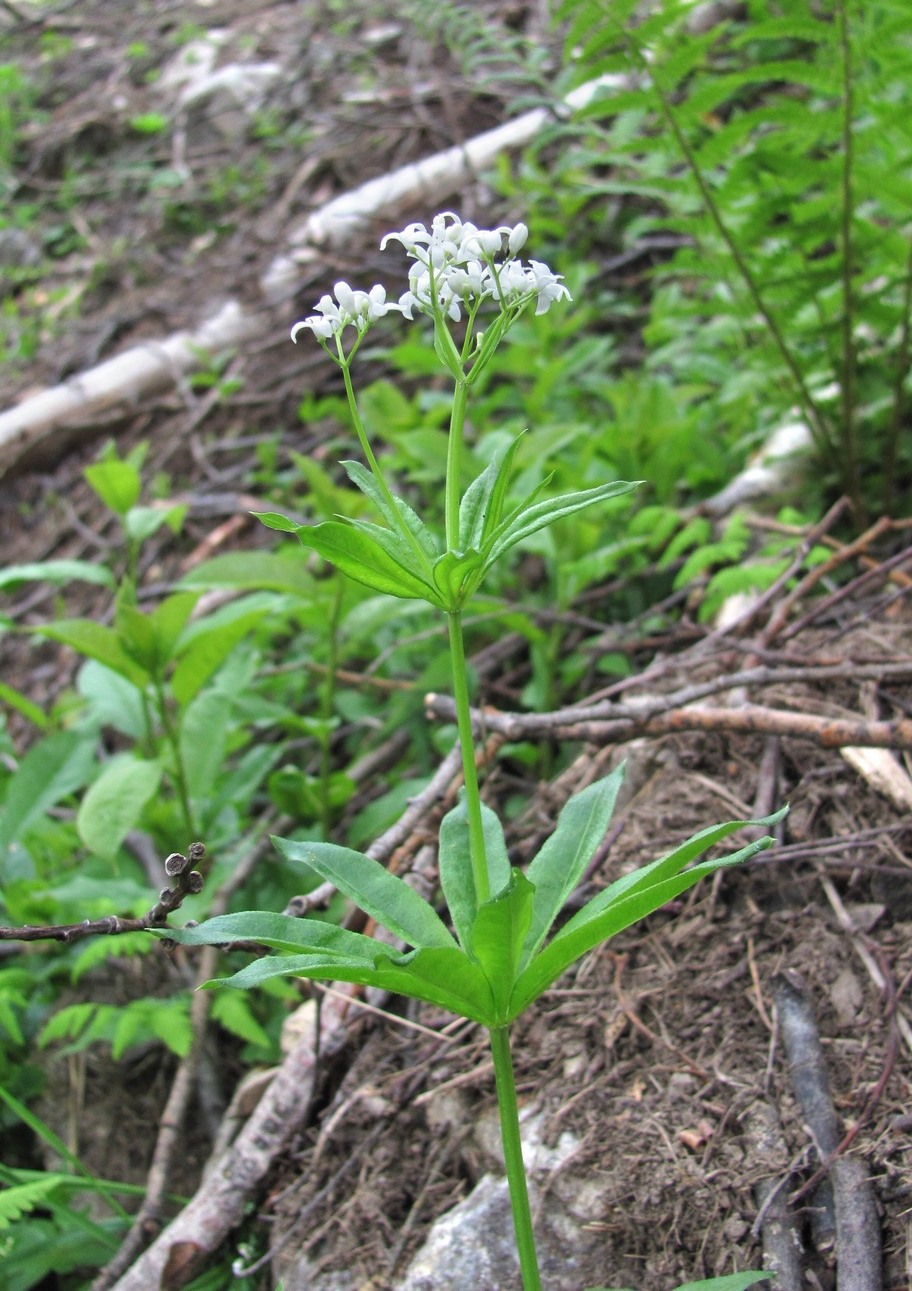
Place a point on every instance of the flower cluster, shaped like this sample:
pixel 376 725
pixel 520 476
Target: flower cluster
pixel 457 267
pixel 356 309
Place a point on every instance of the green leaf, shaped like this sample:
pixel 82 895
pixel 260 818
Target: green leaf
pixel 558 867
pixel 498 933
pixel 112 700
pixel 482 504
pixel 455 864
pixel 232 1012
pixel 203 735
pixel 370 885
pixel 19 1200
pixel 52 769
pixel 150 639
pixel 23 705
pixel 546 512
pixel 116 482
pixel 280 932
pixel 404 515
pixel 441 976
pixel 363 558
pixel 142 522
pixel 268 570
pixel 456 575
pixel 673 861
pixel 113 804
pixel 59 572
pixel 96 642
pixel 274 520
pixel 595 923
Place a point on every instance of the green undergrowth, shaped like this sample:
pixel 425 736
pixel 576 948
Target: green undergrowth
pixel 734 227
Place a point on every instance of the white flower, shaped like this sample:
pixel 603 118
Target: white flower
pixel 457 266
pixel 547 285
pixel 350 308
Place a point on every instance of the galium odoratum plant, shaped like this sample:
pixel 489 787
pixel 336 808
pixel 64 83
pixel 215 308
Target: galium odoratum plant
pixel 498 951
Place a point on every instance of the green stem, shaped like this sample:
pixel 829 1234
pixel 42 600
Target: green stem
pixel 816 422
pixel 454 460
pixel 469 770
pixel 903 364
pixel 849 359
pixel 180 770
pixel 513 1159
pixel 374 465
pixel 327 704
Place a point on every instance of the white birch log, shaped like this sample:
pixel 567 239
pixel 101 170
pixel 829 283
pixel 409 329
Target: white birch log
pixel 118 385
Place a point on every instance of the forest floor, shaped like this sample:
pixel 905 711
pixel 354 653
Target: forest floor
pixel 657 1062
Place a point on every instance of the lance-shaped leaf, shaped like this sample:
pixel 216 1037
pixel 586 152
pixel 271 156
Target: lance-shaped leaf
pixel 440 976
pixel 444 976
pixel 364 558
pixel 370 885
pixel 589 928
pixel 455 864
pixel 672 862
pixel 558 867
pixel 481 509
pixel 275 520
pixel 403 516
pixel 279 932
pixel 540 514
pixel 498 934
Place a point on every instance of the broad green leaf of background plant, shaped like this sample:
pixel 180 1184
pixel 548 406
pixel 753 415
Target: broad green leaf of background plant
pixel 96 642
pixel 117 483
pixel 60 572
pixel 113 804
pixel 52 769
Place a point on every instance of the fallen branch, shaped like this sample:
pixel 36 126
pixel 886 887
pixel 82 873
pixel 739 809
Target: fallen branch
pixel 183 1249
pixel 858 1247
pixel 782 1248
pixel 76 407
pixel 748 719
pixel 177 866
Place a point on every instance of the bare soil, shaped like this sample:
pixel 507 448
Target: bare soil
pixel 657 1051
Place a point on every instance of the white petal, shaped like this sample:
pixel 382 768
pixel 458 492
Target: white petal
pixel 517 238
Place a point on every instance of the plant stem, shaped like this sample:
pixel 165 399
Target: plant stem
pixel 849 436
pixel 469 770
pixel 180 770
pixel 513 1158
pixel 327 703
pixel 454 460
pixel 816 422
pixel 374 465
pixel 903 364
